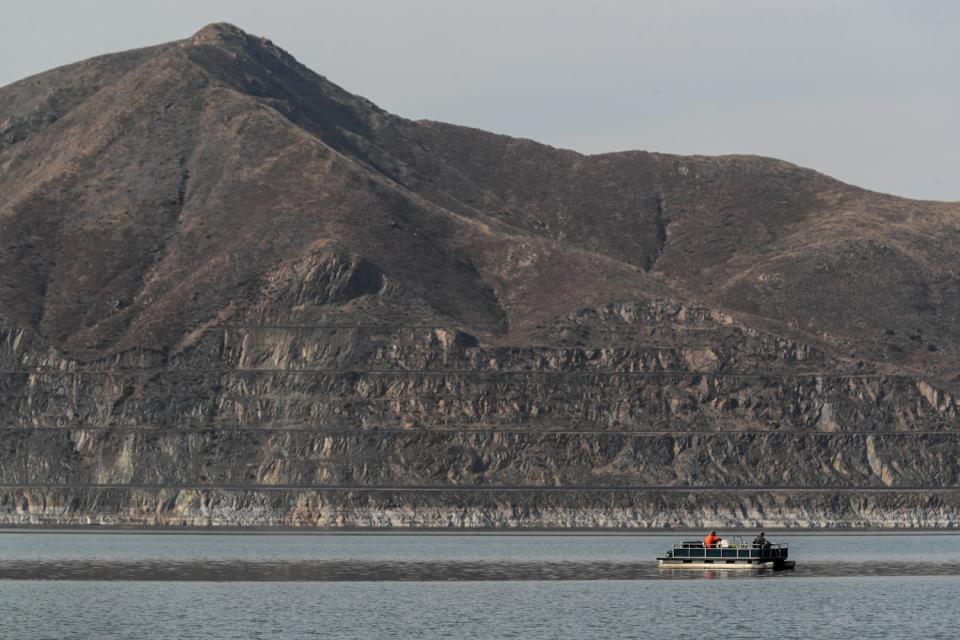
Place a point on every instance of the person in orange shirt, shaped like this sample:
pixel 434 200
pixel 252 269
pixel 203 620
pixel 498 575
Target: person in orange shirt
pixel 711 540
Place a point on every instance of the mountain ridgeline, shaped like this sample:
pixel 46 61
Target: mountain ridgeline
pixel 233 294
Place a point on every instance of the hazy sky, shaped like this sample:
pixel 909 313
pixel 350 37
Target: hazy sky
pixel 866 91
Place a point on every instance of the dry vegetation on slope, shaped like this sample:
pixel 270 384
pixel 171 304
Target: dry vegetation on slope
pixel 208 236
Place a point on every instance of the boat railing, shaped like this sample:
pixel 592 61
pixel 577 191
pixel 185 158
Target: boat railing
pixel 736 550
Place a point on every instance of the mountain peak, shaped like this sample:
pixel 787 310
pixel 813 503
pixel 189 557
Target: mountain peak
pixel 220 33
pixel 234 40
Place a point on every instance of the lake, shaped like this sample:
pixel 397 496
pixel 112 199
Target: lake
pixel 249 585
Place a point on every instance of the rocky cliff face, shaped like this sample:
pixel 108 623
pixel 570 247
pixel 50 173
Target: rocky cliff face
pixel 232 293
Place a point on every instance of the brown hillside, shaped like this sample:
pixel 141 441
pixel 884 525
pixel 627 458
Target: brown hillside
pixel 147 192
pixel 189 232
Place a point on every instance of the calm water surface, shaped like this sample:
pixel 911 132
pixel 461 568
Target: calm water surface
pixel 125 585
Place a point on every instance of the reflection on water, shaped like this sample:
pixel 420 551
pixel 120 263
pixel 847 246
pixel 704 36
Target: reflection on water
pixel 425 571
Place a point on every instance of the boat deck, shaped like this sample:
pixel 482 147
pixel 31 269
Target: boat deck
pixel 738 555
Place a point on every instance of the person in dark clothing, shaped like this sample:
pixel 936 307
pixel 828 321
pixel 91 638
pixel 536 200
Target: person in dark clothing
pixel 761 541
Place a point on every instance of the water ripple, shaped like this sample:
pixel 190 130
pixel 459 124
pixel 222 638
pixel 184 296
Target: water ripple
pixel 431 571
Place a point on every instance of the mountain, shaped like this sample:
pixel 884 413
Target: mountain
pixel 233 293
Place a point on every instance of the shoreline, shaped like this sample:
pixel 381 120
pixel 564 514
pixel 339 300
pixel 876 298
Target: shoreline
pixel 651 532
